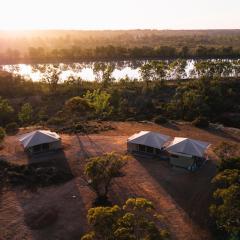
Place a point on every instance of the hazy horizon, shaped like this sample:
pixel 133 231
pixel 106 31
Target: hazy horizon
pixel 119 15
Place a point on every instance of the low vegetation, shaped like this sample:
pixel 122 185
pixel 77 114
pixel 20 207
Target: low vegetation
pixel 31 176
pixel 199 100
pixel 2 135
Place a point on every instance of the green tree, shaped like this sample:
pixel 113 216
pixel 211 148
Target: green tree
pixel 227 211
pixel 136 220
pixel 100 100
pixel 25 114
pixel 100 171
pixel 147 73
pixel 160 69
pixel 178 69
pixel 6 111
pixel 104 72
pixel 226 207
pixel 51 76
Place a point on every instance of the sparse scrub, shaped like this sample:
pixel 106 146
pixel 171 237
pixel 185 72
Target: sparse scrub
pixel 12 128
pixel 201 122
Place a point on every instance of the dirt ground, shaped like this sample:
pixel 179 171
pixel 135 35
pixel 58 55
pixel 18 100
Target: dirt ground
pixel 180 196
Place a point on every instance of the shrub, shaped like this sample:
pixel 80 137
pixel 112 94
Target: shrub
pixel 226 150
pixel 11 128
pixel 160 120
pixel 56 121
pixel 2 134
pixel 100 101
pixel 77 105
pixel 229 163
pixel 201 122
pixel 32 175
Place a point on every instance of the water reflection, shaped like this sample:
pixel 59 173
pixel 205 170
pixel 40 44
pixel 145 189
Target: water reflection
pixel 122 69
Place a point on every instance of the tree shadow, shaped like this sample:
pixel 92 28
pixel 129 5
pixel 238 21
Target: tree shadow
pixel 57 211
pixel 171 125
pixel 192 191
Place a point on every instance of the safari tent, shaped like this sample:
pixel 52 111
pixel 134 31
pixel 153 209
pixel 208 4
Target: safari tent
pixel 147 142
pixel 40 141
pixel 187 153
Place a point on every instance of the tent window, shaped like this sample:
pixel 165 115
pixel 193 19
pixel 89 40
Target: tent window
pixel 142 148
pixel 37 148
pixel 149 149
pixel 45 147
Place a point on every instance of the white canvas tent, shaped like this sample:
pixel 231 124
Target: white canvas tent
pixel 186 152
pixel 40 141
pixel 146 141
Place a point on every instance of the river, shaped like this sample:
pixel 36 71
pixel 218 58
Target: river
pixel 122 69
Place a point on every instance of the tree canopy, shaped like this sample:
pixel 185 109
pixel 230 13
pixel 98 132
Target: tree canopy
pixel 100 171
pixel 135 220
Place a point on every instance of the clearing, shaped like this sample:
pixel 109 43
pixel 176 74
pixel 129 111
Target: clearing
pixel 180 196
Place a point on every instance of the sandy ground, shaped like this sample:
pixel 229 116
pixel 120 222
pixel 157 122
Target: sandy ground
pixel 181 197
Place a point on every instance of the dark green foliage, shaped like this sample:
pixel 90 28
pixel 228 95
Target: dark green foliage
pixel 2 134
pixel 6 111
pixel 77 105
pixel 204 97
pixel 226 207
pixel 25 113
pixel 201 122
pixel 226 210
pixel 81 127
pixel 56 121
pixel 11 128
pixel 135 220
pixel 160 120
pixel 229 163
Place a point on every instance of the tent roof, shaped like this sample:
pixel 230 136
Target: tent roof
pixel 188 146
pixel 150 139
pixel 38 137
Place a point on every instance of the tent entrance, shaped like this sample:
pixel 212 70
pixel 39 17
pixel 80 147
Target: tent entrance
pixel 40 148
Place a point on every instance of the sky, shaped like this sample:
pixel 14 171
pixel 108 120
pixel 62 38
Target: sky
pixel 119 14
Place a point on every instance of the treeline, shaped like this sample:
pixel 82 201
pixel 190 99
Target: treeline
pixel 210 97
pixel 110 52
pixel 107 45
